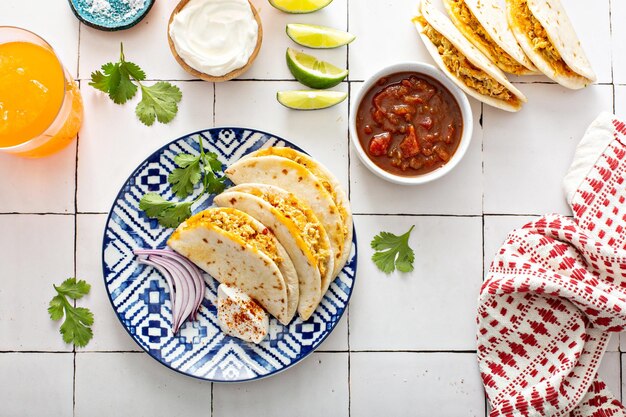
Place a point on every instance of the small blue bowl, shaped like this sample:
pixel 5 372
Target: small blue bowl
pixel 110 15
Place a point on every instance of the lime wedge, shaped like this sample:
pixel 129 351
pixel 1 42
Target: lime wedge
pixel 310 99
pixel 313 73
pixel 300 6
pixel 319 37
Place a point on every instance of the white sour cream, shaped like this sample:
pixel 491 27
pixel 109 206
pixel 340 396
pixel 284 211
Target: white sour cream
pixel 215 36
pixel 240 316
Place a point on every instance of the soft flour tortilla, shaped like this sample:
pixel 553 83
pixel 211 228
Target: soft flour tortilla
pixel 561 35
pixel 295 178
pixel 254 199
pixel 234 261
pixel 497 41
pixel 444 27
pixel 331 185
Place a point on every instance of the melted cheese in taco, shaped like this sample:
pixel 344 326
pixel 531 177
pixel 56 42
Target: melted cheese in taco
pixel 472 29
pixel 467 72
pixel 238 224
pixel 538 36
pixel 304 219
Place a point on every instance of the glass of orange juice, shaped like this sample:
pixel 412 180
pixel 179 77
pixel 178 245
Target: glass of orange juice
pixel 41 108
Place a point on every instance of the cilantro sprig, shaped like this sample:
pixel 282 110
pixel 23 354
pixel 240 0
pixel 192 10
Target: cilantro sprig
pixel 393 252
pixel 76 327
pixel 192 169
pixel 121 80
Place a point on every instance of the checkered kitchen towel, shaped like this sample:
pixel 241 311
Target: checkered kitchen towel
pixel 557 289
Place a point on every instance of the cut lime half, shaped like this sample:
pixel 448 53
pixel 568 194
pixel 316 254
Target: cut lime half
pixel 310 99
pixel 318 37
pixel 300 6
pixel 312 72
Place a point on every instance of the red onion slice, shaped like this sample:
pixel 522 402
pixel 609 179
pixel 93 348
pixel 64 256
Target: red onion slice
pixel 168 278
pixel 184 288
pixel 185 280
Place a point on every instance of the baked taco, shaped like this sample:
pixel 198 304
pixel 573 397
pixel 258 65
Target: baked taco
pixel 297 229
pixel 238 250
pixel 546 34
pixel 484 23
pixel 300 175
pixel 463 63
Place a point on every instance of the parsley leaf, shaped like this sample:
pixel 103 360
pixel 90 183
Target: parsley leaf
pixel 76 327
pixel 168 213
pixel 158 101
pixel 184 178
pixel 121 81
pixel 393 252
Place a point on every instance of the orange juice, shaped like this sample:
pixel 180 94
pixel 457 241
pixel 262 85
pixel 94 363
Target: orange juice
pixel 40 105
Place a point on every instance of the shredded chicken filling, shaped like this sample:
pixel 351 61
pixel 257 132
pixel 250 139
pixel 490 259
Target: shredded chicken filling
pixel 472 29
pixel 307 224
pixel 459 65
pixel 539 37
pixel 240 226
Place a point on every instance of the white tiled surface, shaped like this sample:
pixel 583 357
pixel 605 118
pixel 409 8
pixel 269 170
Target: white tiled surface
pixel 397 351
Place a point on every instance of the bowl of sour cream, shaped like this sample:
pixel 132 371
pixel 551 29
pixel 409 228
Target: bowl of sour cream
pixel 215 40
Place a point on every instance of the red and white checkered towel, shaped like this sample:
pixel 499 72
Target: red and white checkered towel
pixel 557 289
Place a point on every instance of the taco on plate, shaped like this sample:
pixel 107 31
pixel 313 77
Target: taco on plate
pixel 302 176
pixel 297 229
pixel 238 250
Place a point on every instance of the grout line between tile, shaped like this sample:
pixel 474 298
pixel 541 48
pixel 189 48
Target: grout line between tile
pixel 214 101
pixel 75 240
pixel 212 408
pixel 611 50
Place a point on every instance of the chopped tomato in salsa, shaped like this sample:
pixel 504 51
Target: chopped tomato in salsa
pixel 409 124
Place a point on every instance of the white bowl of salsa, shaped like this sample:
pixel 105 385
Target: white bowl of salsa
pixel 410 124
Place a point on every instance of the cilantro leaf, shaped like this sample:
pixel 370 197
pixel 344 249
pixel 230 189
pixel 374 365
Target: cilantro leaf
pixel 73 289
pixel 393 252
pixel 213 184
pixel 55 309
pixel 134 70
pixel 184 178
pixel 121 80
pixel 76 327
pixel 153 204
pixel 159 102
pixel 167 213
pixel 125 89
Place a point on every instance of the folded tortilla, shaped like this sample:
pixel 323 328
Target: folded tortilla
pixel 484 23
pixel 547 36
pixel 297 229
pixel 463 63
pixel 280 167
pixel 238 250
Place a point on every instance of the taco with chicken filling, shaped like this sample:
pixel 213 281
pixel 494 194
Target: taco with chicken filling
pixel 547 36
pixel 308 180
pixel 484 24
pixel 463 63
pixel 298 230
pixel 236 249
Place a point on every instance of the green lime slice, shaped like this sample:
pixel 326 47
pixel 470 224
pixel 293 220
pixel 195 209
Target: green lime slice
pixel 314 73
pixel 310 99
pixel 319 37
pixel 300 6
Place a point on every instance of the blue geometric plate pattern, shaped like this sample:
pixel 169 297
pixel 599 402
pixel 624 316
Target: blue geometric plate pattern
pixel 140 296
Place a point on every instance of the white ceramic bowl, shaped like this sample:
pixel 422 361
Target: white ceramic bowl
pixel 466 114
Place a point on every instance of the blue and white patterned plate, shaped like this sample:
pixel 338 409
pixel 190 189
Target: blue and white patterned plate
pixel 140 296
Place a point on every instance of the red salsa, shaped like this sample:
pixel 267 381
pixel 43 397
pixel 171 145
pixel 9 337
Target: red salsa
pixel 409 124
